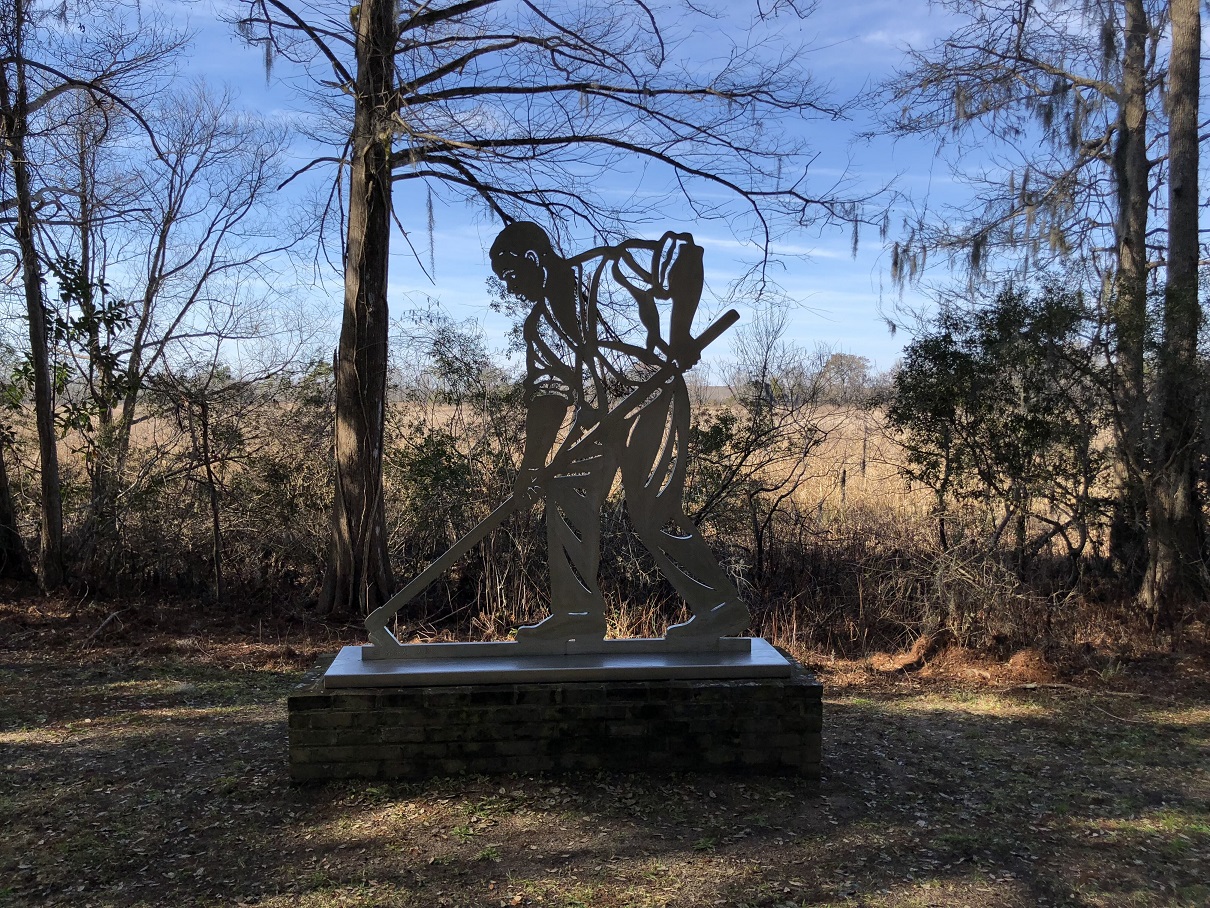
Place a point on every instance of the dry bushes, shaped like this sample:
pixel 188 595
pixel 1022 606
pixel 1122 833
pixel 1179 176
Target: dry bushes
pixel 807 508
pixel 223 495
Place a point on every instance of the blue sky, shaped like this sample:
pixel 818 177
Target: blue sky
pixel 839 299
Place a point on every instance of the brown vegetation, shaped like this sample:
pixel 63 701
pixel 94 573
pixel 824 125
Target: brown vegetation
pixel 849 561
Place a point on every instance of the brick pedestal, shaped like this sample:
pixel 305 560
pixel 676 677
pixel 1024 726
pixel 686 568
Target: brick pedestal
pixel 762 726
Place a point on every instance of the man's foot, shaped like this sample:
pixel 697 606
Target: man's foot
pixel 578 626
pixel 728 618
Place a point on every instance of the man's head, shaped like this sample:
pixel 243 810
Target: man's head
pixel 521 256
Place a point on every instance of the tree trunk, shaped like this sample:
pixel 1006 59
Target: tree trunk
pixel 1128 308
pixel 102 519
pixel 358 577
pixel 212 492
pixel 14 563
pixel 14 99
pixel 1174 568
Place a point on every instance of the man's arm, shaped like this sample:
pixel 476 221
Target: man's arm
pixel 543 419
pixel 682 275
pixel 673 272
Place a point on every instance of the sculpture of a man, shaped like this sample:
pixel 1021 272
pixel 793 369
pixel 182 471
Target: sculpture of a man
pixel 593 335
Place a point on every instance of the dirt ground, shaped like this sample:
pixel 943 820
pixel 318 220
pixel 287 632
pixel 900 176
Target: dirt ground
pixel 148 768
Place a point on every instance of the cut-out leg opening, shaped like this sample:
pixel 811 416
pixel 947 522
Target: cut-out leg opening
pixel 566 523
pixel 688 576
pixel 674 529
pixel 574 570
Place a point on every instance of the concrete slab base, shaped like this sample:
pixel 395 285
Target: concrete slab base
pixel 505 663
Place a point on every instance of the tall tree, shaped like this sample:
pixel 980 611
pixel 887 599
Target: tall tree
pixel 15 104
pixel 523 106
pixel 40 61
pixel 1065 94
pixel 359 570
pixel 1176 571
pixel 1127 304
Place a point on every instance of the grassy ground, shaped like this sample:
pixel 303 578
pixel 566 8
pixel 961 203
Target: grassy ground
pixel 155 775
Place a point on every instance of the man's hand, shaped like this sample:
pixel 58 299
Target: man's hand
pixel 527 486
pixel 686 357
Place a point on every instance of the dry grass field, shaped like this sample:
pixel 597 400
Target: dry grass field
pixel 852 561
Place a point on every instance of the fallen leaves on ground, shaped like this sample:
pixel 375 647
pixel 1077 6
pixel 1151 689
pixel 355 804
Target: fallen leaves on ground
pixel 151 780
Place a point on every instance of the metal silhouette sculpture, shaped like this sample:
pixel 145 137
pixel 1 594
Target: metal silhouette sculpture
pixel 595 351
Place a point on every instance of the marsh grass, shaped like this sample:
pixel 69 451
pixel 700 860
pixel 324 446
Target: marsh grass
pixel 846 559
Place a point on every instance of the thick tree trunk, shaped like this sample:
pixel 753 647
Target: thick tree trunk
pixel 1128 308
pixel 14 113
pixel 1174 570
pixel 358 578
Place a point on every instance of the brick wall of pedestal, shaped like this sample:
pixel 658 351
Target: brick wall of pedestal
pixel 766 727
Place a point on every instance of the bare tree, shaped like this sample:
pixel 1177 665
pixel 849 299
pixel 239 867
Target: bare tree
pixel 769 436
pixel 523 106
pixel 151 239
pixel 215 405
pixel 15 105
pixel 40 61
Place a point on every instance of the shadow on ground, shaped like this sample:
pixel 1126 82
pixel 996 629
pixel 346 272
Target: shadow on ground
pixel 164 783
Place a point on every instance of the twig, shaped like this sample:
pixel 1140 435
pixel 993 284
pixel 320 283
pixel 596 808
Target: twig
pixel 1119 718
pixel 91 636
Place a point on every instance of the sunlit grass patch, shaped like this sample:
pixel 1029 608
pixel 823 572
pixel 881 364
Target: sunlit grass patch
pixel 142 687
pixel 984 704
pixel 1184 824
pixel 1189 717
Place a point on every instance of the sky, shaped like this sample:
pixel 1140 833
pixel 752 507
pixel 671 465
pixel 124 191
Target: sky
pixel 839 300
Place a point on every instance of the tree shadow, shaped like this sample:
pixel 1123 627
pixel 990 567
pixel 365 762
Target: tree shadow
pixel 179 795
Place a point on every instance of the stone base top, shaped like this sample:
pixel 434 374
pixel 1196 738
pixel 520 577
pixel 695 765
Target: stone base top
pixel 500 663
pixel 393 650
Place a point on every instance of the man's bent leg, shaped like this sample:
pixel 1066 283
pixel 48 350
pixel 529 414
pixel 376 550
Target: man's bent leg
pixel 653 475
pixel 573 539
